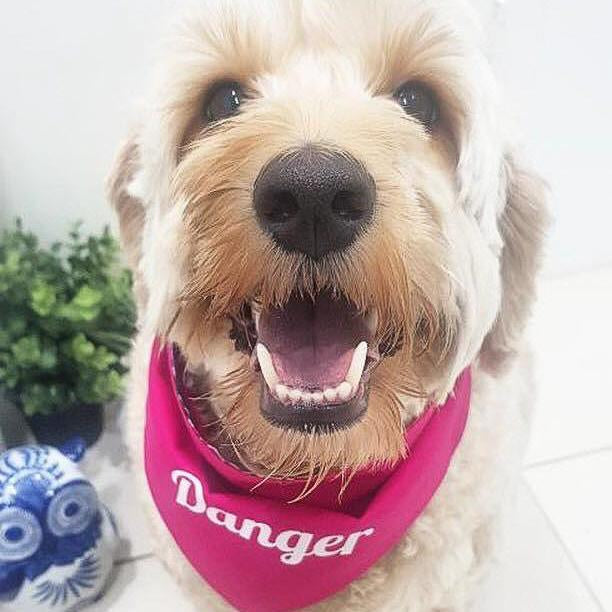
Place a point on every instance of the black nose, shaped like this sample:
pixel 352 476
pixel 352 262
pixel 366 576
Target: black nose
pixel 314 201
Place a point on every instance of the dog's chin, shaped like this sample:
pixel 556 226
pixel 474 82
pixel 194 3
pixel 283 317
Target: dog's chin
pixel 313 418
pixel 309 386
pixel 314 356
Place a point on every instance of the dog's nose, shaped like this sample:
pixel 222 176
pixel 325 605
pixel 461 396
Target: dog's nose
pixel 314 201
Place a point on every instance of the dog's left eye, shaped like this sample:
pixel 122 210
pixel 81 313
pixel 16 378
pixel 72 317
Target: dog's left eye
pixel 223 102
pixel 418 102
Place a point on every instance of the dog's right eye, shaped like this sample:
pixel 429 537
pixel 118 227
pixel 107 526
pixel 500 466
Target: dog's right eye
pixel 223 101
pixel 418 102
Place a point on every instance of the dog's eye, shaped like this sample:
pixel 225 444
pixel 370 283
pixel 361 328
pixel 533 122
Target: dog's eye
pixel 223 101
pixel 418 102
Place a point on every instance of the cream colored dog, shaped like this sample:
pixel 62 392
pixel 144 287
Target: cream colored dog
pixel 347 152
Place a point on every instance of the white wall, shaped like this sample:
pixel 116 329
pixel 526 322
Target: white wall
pixel 69 71
pixel 555 60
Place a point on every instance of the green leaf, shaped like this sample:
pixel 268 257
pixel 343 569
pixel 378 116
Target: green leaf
pixel 107 386
pixel 43 298
pixel 87 298
pixel 85 306
pixel 36 400
pixel 103 359
pixel 48 358
pixel 11 262
pixel 16 326
pixel 26 351
pixel 9 375
pixel 66 319
pixel 119 343
pixel 82 349
pixel 5 338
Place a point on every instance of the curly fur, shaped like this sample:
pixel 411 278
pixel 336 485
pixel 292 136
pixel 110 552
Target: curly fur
pixel 449 262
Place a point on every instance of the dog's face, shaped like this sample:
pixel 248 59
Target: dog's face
pixel 316 206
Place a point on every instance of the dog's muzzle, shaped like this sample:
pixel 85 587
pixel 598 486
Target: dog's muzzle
pixel 315 352
pixel 314 201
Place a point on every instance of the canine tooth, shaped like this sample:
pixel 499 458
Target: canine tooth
pixel 256 314
pixel 353 376
pixel 267 367
pixel 330 394
pixel 318 397
pixel 372 321
pixel 282 392
pixel 345 390
pixel 295 395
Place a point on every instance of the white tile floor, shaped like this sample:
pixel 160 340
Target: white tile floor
pixel 560 531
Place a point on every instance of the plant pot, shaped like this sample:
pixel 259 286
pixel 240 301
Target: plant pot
pixel 86 421
pixel 14 430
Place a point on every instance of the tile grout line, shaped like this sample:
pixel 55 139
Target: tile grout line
pixel 135 559
pixel 563 458
pixel 568 553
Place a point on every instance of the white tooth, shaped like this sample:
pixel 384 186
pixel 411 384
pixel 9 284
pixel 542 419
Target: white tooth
pixel 267 367
pixel 282 392
pixel 317 397
pixel 307 397
pixel 344 390
pixel 372 321
pixel 330 394
pixel 353 376
pixel 295 395
pixel 256 314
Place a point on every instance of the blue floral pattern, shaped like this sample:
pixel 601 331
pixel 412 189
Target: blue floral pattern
pixel 55 535
pixel 83 580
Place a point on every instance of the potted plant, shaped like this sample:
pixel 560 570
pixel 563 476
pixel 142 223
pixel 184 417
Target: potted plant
pixel 66 320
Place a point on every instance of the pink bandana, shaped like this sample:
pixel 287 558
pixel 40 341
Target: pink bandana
pixel 261 553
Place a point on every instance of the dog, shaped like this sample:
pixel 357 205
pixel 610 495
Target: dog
pixel 329 222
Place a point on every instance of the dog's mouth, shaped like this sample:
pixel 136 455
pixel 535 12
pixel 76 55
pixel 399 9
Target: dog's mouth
pixel 315 357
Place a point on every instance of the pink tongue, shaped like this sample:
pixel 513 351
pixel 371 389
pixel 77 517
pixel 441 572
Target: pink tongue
pixel 312 343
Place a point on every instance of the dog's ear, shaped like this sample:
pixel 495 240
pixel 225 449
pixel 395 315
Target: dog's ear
pixel 130 210
pixel 522 225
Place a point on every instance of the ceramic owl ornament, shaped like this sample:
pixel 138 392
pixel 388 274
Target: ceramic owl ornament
pixel 57 540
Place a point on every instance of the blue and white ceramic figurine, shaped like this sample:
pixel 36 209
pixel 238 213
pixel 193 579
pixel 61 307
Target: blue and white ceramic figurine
pixel 57 541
